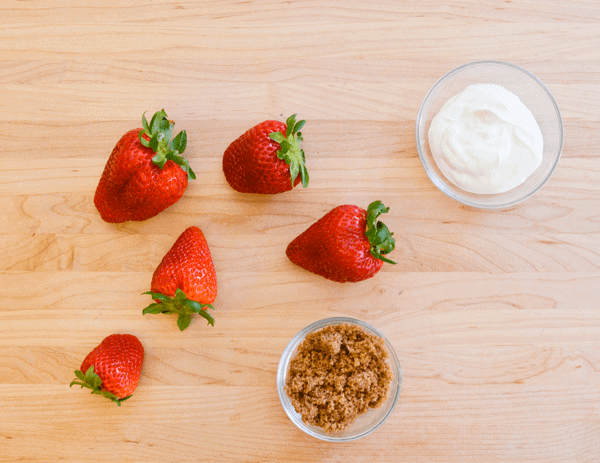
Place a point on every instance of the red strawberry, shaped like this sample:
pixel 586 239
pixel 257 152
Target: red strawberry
pixel 267 158
pixel 346 244
pixel 113 368
pixel 145 172
pixel 185 281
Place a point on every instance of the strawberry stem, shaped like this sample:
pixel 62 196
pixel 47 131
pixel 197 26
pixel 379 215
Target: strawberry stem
pixel 378 233
pixel 157 135
pixel 180 305
pixel 290 151
pixel 92 381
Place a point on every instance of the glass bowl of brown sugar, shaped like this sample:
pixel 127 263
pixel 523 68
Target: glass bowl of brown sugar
pixel 339 379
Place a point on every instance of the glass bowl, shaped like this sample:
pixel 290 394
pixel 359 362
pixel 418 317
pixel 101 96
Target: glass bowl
pixel 366 422
pixel 530 90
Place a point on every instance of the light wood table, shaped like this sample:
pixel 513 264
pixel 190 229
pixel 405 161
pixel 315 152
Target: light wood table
pixel 494 315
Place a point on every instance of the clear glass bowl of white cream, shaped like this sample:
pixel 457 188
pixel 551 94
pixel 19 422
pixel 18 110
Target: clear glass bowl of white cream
pixel 489 134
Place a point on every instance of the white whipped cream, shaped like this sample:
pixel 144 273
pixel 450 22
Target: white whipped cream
pixel 485 140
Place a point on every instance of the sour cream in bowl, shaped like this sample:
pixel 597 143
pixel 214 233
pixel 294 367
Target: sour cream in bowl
pixel 489 134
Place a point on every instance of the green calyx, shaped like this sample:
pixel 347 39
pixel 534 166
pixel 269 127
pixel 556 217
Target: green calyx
pixel 180 305
pixel 92 381
pixel 290 151
pixel 159 133
pixel 378 233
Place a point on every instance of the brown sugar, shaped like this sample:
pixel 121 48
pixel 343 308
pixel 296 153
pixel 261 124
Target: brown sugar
pixel 338 373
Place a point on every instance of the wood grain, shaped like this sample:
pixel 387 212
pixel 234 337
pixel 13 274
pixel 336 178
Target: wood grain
pixel 493 314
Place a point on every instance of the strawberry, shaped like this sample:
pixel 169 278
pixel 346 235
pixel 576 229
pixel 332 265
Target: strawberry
pixel 185 281
pixel 346 244
pixel 113 368
pixel 145 172
pixel 267 158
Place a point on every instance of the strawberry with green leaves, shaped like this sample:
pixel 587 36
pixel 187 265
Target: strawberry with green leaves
pixel 347 244
pixel 113 368
pixel 267 159
pixel 185 282
pixel 145 172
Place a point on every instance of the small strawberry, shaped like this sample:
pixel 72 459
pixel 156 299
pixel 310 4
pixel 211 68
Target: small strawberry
pixel 267 158
pixel 113 368
pixel 185 281
pixel 346 244
pixel 145 172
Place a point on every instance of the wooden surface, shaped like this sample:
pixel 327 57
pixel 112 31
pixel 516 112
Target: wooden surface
pixel 494 315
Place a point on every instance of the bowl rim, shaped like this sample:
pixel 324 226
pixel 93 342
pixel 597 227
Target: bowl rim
pixel 424 162
pixel 286 357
